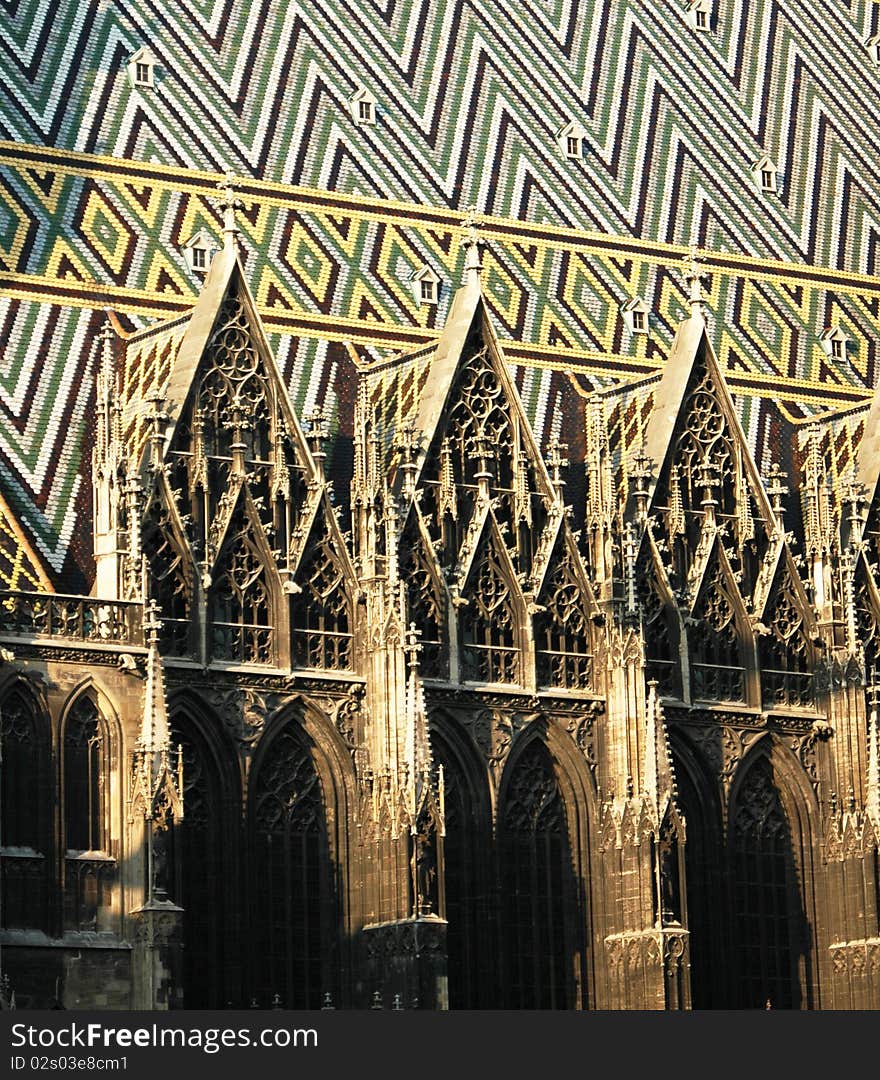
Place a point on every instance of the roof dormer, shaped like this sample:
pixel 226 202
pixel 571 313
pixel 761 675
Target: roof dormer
pixel 765 174
pixel 834 341
pixel 199 250
pixel 699 14
pixel 141 68
pixel 635 314
pixel 363 107
pixel 570 139
pixel 426 286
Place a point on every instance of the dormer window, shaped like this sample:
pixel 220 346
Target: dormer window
pixel 363 107
pixel 142 68
pixel 426 287
pixel 571 140
pixel 700 14
pixel 635 314
pixel 198 251
pixel 873 47
pixel 765 174
pixel 833 340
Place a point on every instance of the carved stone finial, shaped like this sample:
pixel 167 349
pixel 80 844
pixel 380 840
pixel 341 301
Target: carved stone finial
pixel 482 452
pixel 152 623
pixel 776 488
pixel 228 202
pixel 556 462
pixel 693 275
pixel 156 419
pixel 852 495
pixel 472 245
pixel 641 472
pixel 407 445
pixel 316 435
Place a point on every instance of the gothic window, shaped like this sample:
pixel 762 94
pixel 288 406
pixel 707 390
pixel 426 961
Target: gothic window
pixel 24 836
pixel 170 581
pixel 424 603
pixel 234 394
pixel 89 870
pixel 203 888
pixel 707 914
pixel 661 649
pixel 83 777
pixel 478 438
pixel 539 895
pixel 786 676
pixel 466 861
pixel 717 668
pixel 320 614
pixel 481 410
pixel 490 649
pixel 294 938
pixel 562 634
pixel 242 603
pixel 770 927
pixel 705 467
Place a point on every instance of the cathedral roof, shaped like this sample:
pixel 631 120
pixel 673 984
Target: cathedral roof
pixel 106 183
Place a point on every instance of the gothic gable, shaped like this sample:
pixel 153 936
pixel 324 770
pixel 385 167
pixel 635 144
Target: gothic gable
pixel 704 476
pixel 472 435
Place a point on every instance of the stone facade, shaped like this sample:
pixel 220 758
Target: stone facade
pixel 426 737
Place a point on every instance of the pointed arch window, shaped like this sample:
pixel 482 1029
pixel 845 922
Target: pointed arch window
pixel 84 781
pixel 242 625
pixel 466 876
pixel 539 894
pixel 294 935
pixel 24 827
pixel 717 669
pixel 785 652
pixel 562 634
pixel 170 581
pixel 234 403
pixel 320 613
pixel 204 867
pixel 661 645
pixel 425 604
pixel 489 626
pixel 770 929
pixel 89 867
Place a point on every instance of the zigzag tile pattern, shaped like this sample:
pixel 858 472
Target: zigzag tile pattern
pixel 100 183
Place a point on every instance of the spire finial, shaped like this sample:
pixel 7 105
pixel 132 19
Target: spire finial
pixel 229 202
pixel 472 245
pixel 776 488
pixel 693 275
pixel 641 474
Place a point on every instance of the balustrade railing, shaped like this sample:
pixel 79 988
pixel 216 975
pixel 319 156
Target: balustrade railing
pixel 75 618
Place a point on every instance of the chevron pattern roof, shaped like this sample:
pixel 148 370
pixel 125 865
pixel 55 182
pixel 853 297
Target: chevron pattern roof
pixel 102 182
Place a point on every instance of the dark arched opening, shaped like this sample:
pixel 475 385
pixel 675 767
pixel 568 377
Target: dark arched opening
pixel 769 922
pixel 467 862
pixel 295 927
pixel 204 858
pixel 707 912
pixel 24 826
pixel 541 914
